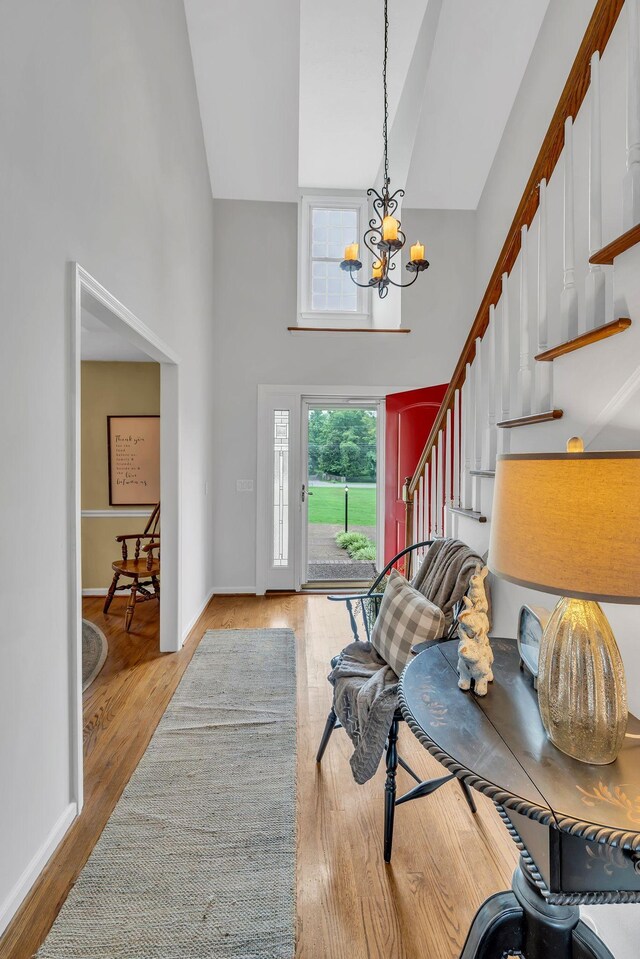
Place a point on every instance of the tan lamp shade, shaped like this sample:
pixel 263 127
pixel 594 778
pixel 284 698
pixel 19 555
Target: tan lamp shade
pixel 569 523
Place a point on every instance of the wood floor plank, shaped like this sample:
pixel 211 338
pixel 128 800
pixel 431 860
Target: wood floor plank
pixel 350 904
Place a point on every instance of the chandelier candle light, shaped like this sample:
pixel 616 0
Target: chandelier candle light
pixel 384 239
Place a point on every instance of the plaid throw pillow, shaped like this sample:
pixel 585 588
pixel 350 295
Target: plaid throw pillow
pixel 406 617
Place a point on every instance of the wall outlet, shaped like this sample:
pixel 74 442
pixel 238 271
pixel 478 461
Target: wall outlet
pixel 244 486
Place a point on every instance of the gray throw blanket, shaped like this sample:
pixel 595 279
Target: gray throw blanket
pixel 444 574
pixel 365 688
pixel 365 698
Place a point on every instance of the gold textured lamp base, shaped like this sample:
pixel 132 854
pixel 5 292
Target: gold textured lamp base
pixel 581 686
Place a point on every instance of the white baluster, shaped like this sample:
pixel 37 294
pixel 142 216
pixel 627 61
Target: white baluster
pixel 467 435
pixel 478 425
pixel 415 517
pixel 440 491
pixel 631 206
pixel 504 436
pixel 448 474
pixel 420 492
pixel 524 376
pixel 491 339
pixel 569 297
pixel 595 281
pixel 456 448
pixel 434 491
pixel 544 371
pixel 425 506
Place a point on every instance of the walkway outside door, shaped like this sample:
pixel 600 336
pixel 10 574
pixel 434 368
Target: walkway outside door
pixel 339 495
pixel 410 416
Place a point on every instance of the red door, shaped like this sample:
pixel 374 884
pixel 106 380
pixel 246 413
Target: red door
pixel 410 416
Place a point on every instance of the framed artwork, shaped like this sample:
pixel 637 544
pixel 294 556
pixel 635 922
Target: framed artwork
pixel 133 444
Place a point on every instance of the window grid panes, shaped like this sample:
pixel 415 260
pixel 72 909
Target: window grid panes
pixel 331 287
pixel 281 488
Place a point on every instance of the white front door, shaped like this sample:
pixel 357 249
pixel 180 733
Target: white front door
pixel 282 528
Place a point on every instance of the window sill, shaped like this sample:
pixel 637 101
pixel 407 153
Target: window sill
pixel 346 329
pixel 308 318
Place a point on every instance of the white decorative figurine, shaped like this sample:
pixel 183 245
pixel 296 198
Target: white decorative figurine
pixel 475 655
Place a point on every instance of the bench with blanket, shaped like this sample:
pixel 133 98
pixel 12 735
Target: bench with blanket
pixel 404 618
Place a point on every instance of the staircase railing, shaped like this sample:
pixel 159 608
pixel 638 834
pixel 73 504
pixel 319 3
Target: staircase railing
pixel 488 393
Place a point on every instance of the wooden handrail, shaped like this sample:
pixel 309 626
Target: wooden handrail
pixel 599 30
pixel 621 244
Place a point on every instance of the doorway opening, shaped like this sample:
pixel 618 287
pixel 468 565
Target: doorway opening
pixel 340 492
pixel 123 450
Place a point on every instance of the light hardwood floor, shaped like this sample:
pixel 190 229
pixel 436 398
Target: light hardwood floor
pixel 350 905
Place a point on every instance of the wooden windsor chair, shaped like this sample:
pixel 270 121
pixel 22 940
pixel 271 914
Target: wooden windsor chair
pixel 142 572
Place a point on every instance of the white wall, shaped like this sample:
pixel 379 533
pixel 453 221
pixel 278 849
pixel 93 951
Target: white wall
pixel 101 161
pixel 255 290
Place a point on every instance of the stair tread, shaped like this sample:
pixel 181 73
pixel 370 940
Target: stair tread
pixel 530 420
pixel 585 339
pixel 482 472
pixel 621 244
pixel 470 513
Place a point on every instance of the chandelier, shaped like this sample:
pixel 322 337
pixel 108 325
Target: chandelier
pixel 384 238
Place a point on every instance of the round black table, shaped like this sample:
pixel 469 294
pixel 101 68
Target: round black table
pixel 577 825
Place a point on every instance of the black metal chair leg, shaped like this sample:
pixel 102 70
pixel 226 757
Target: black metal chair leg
pixel 468 795
pixel 390 789
pixel 330 725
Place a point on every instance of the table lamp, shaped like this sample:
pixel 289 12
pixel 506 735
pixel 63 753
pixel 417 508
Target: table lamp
pixel 569 523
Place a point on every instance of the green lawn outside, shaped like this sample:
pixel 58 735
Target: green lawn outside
pixel 327 505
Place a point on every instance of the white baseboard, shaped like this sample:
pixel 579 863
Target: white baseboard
pixel 234 591
pixel 197 616
pixel 17 895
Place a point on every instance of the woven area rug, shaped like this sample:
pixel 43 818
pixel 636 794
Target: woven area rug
pixel 94 652
pixel 198 857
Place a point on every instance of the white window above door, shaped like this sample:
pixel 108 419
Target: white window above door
pixel 326 294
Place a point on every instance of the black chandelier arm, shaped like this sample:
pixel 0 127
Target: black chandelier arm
pixel 363 286
pixel 403 286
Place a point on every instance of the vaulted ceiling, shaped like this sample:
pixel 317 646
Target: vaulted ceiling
pixel 290 93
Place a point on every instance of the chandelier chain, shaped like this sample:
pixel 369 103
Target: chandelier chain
pixel 384 239
pixel 385 133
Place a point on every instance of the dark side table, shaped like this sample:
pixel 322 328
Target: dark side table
pixel 577 826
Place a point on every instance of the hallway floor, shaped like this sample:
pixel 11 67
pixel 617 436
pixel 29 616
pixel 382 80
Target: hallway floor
pixel 350 905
